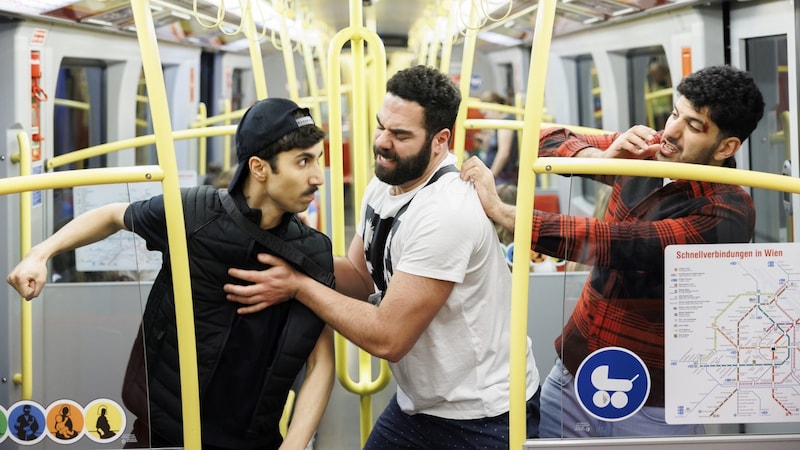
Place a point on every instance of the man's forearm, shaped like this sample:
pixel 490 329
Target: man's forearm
pixel 503 214
pixel 90 227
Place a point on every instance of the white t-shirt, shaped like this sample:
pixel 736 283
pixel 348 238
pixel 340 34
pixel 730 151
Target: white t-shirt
pixel 459 367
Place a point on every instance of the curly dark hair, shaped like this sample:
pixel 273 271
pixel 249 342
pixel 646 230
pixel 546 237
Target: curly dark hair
pixel 733 100
pixel 433 90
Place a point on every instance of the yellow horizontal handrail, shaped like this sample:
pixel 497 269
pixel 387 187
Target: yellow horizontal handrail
pixel 85 177
pixel 102 149
pixel 666 92
pixel 509 109
pixel 663 169
pixel 219 118
pixel 510 124
pixel 84 106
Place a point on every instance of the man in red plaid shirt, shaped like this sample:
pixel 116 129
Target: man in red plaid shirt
pixel 622 302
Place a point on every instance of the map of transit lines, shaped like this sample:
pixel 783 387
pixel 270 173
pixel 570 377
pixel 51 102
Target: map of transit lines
pixel 732 325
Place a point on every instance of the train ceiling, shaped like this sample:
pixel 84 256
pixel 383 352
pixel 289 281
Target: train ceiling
pixel 214 24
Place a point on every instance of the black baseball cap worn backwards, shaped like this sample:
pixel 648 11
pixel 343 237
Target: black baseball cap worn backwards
pixel 264 124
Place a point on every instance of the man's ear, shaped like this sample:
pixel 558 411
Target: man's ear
pixel 727 148
pixel 441 140
pixel 259 168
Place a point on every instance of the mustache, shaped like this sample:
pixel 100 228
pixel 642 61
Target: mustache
pixel 386 154
pixel 311 190
pixel 673 143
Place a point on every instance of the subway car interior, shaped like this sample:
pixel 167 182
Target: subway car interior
pixel 121 100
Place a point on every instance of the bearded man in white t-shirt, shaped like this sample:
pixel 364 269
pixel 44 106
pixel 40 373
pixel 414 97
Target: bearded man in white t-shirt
pixel 429 261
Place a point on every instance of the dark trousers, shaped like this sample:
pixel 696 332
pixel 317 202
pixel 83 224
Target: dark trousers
pixel 398 430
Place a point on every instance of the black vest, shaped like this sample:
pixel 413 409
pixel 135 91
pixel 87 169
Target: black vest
pixel 215 243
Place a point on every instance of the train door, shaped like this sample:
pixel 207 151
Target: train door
pixel 763 42
pixel 769 147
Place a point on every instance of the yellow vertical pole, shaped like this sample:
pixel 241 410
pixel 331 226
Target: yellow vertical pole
pixel 202 142
pixel 286 49
pixel 176 232
pixel 226 143
pixel 466 74
pixel 534 105
pixel 25 378
pixel 316 112
pixel 447 40
pixel 358 145
pixel 255 52
pixel 356 34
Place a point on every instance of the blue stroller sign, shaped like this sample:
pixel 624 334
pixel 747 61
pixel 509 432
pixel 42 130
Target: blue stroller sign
pixel 612 384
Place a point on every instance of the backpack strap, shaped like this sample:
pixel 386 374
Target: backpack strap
pixel 278 246
pixel 381 234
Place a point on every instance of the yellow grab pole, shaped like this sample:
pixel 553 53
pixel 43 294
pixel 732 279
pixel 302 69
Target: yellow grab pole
pixel 176 232
pixel 254 45
pixel 534 105
pixel 25 378
pixel 356 33
pixel 466 74
pixel 286 50
pixel 102 149
pixel 662 169
pixel 82 177
pixel 202 143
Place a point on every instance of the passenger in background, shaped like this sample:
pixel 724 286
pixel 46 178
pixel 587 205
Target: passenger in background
pixel 501 147
pixel 223 179
pixel 213 171
pixel 439 304
pixel 622 303
pixel 246 363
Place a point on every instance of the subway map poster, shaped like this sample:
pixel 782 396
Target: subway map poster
pixel 732 324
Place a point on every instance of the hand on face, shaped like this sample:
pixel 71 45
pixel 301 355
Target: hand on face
pixel 639 142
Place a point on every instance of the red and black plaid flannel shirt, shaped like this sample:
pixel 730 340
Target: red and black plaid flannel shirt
pixel 622 302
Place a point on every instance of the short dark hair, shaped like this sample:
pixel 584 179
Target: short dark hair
pixel 433 90
pixel 734 102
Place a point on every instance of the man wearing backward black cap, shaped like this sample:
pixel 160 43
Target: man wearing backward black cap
pixel 246 363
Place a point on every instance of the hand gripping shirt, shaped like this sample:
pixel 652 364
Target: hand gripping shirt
pixel 622 302
pixel 459 367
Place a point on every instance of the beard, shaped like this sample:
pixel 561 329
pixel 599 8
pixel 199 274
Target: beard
pixel 405 169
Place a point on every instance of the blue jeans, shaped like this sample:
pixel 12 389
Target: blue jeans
pixel 398 430
pixel 563 416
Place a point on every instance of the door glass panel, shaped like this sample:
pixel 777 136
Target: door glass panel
pixel 79 122
pixel 769 149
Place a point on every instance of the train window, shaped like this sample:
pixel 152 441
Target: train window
pixel 78 122
pixel 590 112
pixel 767 60
pixel 651 87
pixel 237 89
pixel 145 154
